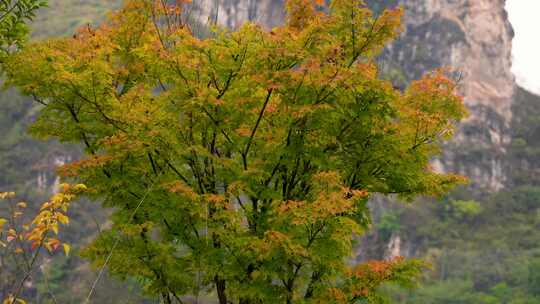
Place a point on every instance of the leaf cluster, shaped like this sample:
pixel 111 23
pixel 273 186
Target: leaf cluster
pixel 14 14
pixel 22 242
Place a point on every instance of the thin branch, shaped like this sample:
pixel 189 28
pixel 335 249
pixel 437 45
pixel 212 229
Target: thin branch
pixel 29 272
pixel 250 140
pixel 116 243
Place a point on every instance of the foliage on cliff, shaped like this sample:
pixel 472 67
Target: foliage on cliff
pixel 241 163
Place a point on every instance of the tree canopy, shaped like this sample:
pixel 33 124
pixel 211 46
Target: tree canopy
pixel 13 17
pixel 239 165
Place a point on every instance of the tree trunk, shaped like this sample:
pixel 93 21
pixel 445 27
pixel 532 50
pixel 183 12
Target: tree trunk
pixel 220 288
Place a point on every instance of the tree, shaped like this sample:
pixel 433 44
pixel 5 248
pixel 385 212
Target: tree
pixel 13 17
pixel 240 165
pixel 22 243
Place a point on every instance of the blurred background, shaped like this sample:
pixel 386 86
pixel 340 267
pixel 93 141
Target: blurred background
pixel 482 240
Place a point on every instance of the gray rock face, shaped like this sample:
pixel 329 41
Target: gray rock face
pixel 474 37
pixel 232 13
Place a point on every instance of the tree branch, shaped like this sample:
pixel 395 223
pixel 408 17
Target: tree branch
pixel 254 130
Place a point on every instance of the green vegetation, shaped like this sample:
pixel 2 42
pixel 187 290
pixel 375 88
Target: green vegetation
pixel 14 15
pixel 483 247
pixel 24 160
pixel 234 172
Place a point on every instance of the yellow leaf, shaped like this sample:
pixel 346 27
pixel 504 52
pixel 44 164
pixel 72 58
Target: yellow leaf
pixel 2 222
pixel 67 249
pixel 55 228
pixel 48 247
pixel 62 218
pixel 5 195
pixel 80 187
pixel 21 204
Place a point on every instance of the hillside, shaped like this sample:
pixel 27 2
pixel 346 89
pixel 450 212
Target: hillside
pixel 483 246
pixel 61 17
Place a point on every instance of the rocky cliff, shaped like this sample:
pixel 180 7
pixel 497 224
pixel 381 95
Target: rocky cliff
pixel 474 37
pixel 232 13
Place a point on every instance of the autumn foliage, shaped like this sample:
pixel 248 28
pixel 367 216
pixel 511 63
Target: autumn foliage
pixel 239 165
pixel 24 236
